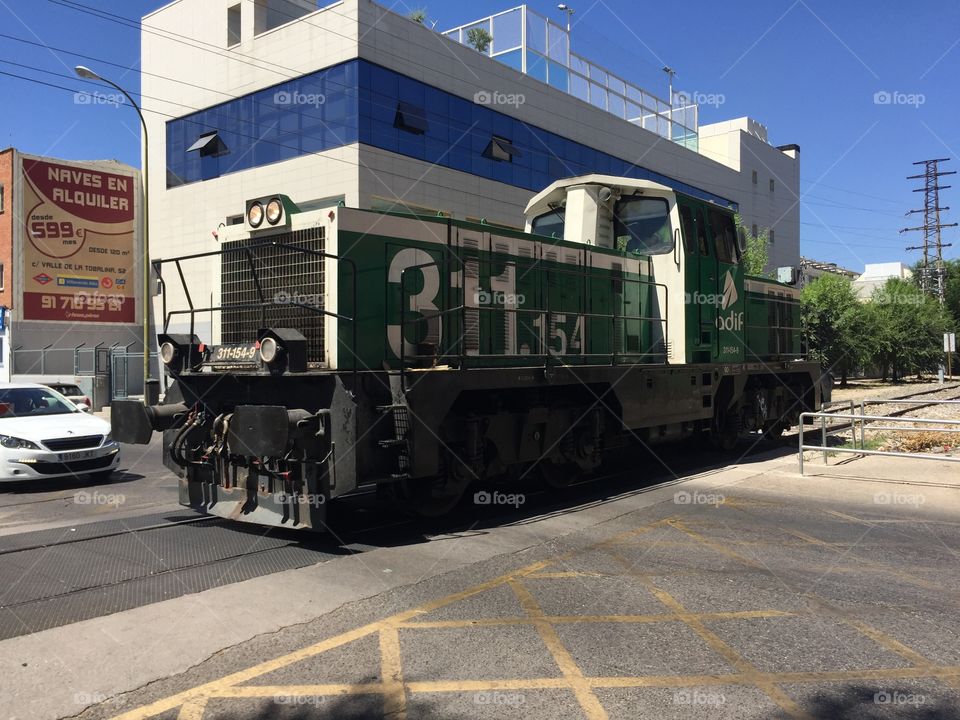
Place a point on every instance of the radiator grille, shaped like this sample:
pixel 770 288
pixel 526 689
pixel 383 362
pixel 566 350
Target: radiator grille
pixel 287 276
pixel 74 443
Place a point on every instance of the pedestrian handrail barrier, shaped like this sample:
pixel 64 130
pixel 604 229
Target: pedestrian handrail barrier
pixel 854 421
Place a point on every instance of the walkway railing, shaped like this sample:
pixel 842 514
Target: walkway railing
pixel 854 421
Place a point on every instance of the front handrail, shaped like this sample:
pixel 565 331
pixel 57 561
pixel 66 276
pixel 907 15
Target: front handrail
pixel 263 303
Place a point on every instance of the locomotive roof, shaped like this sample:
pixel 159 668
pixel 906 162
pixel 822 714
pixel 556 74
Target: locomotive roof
pixel 612 181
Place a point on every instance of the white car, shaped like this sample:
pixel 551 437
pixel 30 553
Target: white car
pixel 44 435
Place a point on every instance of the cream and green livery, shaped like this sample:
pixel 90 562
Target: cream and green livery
pixel 416 355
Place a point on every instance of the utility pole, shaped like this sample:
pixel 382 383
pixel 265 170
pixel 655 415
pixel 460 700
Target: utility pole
pixel 932 278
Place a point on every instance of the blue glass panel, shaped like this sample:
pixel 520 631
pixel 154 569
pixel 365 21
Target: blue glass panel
pixel 507 30
pixel 598 96
pixel 536 33
pixel 557 37
pixel 558 75
pixel 580 87
pixel 616 105
pixel 411 91
pixel 536 66
pixel 514 59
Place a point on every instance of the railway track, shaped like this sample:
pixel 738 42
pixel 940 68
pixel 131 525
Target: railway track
pixel 62 575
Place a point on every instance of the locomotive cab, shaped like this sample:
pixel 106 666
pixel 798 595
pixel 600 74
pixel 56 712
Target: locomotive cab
pixel 655 231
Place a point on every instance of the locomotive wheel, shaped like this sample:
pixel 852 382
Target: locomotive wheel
pixel 725 431
pixel 431 497
pixel 775 430
pixel 557 476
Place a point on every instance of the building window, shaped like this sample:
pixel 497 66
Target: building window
pixel 233 26
pixel 1 199
pixel 3 278
pixel 410 118
pixel 501 150
pixel 754 177
pixel 771 184
pixel 771 236
pixel 753 230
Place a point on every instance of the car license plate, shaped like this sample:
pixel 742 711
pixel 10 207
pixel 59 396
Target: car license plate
pixel 70 457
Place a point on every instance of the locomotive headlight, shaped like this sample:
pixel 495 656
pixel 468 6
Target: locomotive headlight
pixel 168 352
pixel 255 215
pixel 274 211
pixel 269 350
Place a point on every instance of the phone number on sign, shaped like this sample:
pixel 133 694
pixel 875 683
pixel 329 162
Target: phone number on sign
pixel 82 301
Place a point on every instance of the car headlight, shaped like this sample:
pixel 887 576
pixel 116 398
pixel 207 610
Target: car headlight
pixel 108 438
pixel 14 443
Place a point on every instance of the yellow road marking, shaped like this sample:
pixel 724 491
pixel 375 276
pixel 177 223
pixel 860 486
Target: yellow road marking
pixel 567 619
pixel 391 672
pixel 548 633
pixel 193 710
pixel 946 673
pixel 784 701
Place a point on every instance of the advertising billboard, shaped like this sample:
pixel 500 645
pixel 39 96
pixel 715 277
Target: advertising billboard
pixel 78 244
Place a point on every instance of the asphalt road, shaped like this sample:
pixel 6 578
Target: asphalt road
pixel 760 598
pixel 72 550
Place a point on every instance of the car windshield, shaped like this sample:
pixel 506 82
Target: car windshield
pixel 33 402
pixel 67 390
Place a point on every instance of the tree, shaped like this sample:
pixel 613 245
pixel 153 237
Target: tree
pixel 756 254
pixel 479 39
pixel 834 324
pixel 418 16
pixel 909 326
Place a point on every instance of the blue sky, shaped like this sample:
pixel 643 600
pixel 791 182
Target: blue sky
pixel 807 69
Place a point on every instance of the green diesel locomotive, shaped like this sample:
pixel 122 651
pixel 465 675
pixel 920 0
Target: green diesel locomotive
pixel 355 350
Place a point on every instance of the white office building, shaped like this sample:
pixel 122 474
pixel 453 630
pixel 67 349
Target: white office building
pixel 354 102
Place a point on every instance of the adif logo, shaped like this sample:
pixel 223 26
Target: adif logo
pixel 734 321
pixel 730 295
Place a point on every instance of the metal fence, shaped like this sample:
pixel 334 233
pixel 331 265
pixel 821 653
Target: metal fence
pixel 116 367
pixel 854 422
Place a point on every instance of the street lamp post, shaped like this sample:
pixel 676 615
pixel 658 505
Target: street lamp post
pixel 670 72
pixel 569 11
pixel 88 74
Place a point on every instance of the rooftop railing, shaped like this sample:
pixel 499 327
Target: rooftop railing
pixel 540 48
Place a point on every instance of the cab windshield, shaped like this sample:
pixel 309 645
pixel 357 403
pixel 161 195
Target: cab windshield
pixel 33 402
pixel 641 225
pixel 549 224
